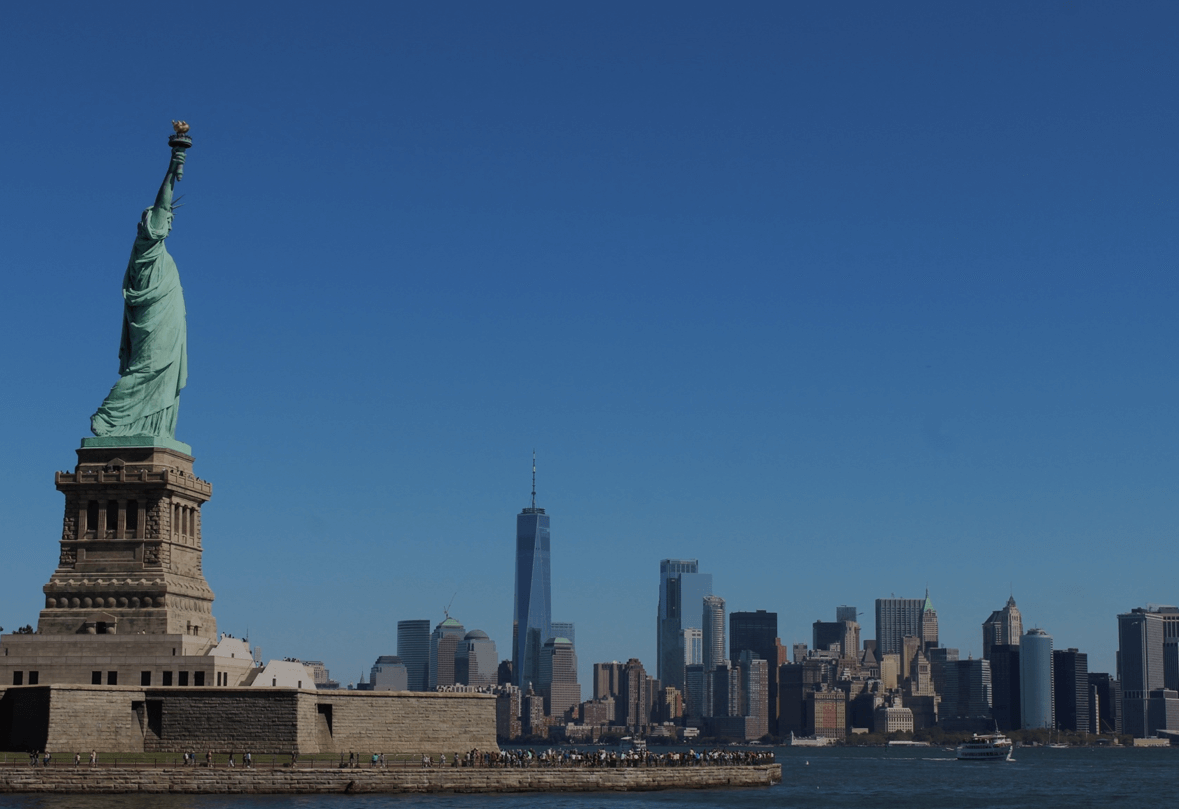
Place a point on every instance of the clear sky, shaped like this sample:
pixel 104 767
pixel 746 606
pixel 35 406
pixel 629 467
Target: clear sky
pixel 843 299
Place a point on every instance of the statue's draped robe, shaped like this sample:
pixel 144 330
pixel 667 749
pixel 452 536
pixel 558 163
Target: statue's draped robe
pixel 153 352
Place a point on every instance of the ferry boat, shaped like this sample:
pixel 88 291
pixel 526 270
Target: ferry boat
pixel 986 747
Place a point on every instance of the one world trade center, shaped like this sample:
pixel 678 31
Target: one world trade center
pixel 532 614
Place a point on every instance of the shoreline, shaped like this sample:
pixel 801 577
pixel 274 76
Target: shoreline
pixel 298 780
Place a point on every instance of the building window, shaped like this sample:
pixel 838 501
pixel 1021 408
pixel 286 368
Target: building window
pixel 112 518
pixel 92 519
pixel 33 677
pixel 112 678
pixel 132 529
pixel 96 678
pixel 167 675
pixel 145 678
pixel 198 678
pixel 18 678
pixel 184 678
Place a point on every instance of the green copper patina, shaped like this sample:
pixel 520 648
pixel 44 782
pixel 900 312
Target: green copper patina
pixel 142 406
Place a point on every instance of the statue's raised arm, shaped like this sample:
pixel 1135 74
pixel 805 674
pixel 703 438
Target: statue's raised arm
pixel 153 349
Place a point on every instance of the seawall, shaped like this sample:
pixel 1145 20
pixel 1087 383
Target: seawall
pixel 199 780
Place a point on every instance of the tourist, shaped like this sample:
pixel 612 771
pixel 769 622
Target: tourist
pixel 248 759
pixel 77 760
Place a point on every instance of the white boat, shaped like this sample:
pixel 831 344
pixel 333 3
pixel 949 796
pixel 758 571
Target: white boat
pixel 986 747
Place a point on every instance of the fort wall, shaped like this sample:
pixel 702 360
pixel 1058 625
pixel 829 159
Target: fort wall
pixel 365 780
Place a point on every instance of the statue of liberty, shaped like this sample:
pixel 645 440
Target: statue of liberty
pixel 153 350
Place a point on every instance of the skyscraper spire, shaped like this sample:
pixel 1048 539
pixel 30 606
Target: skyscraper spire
pixel 534 478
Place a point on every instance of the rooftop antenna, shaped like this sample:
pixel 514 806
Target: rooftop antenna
pixel 534 478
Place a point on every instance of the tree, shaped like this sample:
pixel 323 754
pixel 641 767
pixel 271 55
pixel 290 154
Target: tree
pixel 27 629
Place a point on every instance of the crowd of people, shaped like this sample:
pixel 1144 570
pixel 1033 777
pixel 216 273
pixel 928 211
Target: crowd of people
pixel 603 758
pixel 552 757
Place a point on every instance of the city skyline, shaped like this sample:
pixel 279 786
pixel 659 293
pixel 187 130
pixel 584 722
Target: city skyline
pixel 880 296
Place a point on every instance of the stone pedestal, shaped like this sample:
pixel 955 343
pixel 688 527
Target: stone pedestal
pixel 130 547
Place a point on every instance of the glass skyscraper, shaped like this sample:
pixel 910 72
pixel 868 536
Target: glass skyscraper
pixel 413 647
pixel 682 588
pixel 1036 698
pixel 532 613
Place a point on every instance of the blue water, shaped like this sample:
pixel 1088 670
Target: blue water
pixel 834 778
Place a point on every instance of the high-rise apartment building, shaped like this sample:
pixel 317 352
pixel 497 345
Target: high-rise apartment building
pixel 895 619
pixel 1037 704
pixel 1070 673
pixel 532 612
pixel 1003 628
pixel 413 648
pixel 1141 667
pixel 444 643
pixel 682 588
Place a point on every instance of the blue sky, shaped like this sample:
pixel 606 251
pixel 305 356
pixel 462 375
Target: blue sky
pixel 844 300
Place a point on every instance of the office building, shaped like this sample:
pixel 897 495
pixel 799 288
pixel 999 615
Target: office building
pixel 897 618
pixel 1070 673
pixel 388 674
pixel 693 646
pixel 682 588
pixel 966 700
pixel 1141 667
pixel 846 613
pixel 444 643
pixel 564 629
pixel 1104 693
pixel 757 698
pixel 558 677
pixel 929 636
pixel 413 648
pixel 938 657
pixel 1003 628
pixel 712 630
pixel 1005 694
pixel 844 634
pixel 1037 703
pixel 694 709
pixel 476 661
pixel 532 612
pixel 757 632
